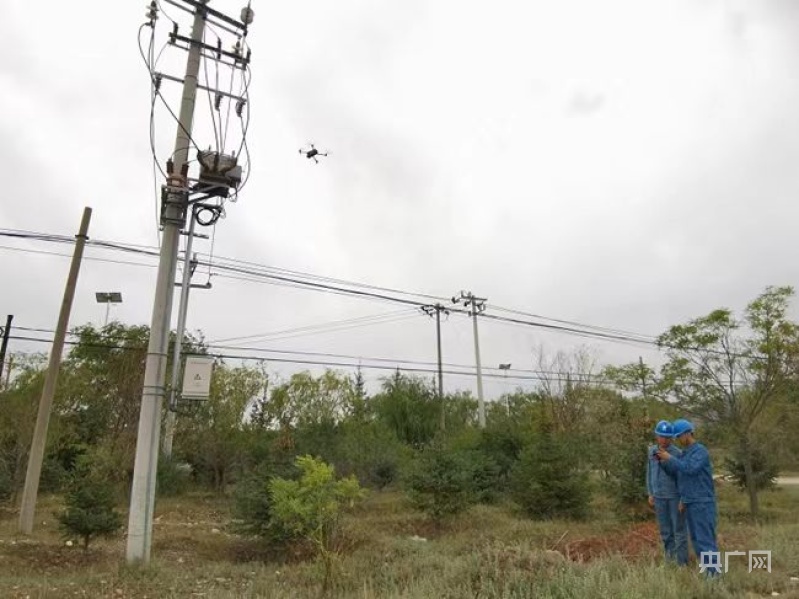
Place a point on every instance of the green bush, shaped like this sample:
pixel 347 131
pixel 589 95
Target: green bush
pixel 504 447
pixel 627 462
pixel 252 504
pixel 90 506
pixel 6 482
pixel 310 507
pixel 440 483
pixel 173 477
pixel 548 481
pixel 383 473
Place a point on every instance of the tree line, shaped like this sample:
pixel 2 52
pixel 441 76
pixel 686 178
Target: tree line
pixel 546 450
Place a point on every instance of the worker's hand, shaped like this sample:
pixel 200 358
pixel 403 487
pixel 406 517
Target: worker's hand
pixel 651 501
pixel 681 507
pixel 663 455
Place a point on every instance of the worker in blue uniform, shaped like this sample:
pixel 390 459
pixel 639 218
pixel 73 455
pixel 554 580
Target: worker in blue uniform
pixel 664 496
pixel 697 493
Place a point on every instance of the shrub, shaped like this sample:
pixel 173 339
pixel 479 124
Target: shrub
pixel 172 477
pixel 440 483
pixel 548 482
pixel 252 504
pixel 383 473
pixel 90 506
pixel 310 507
pixel 627 463
pixel 6 482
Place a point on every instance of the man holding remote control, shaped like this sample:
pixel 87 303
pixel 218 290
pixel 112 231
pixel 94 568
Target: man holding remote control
pixel 665 497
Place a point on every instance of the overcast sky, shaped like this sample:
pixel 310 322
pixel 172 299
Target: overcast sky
pixel 625 163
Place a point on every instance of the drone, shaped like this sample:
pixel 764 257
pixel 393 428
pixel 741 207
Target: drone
pixel 312 153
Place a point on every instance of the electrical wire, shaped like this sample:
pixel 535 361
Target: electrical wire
pixel 573 323
pixel 91 258
pixel 321 327
pixel 227 118
pixel 394 364
pixel 314 284
pixel 217 134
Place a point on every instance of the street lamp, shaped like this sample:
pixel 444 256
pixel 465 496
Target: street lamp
pixel 108 298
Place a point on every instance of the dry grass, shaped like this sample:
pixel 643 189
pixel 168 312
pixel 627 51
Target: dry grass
pixel 488 552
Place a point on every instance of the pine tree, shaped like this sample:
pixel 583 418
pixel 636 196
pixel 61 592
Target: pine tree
pixel 90 507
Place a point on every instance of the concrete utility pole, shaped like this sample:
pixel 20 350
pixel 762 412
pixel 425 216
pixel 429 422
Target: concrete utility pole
pixel 476 305
pixel 429 310
pixel 142 500
pixel 504 368
pixel 218 173
pixel 4 343
pixel 28 507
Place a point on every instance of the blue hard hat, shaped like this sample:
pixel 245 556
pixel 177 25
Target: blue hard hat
pixel 682 426
pixel 664 429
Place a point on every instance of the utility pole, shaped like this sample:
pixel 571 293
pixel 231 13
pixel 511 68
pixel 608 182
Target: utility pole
pixel 218 173
pixel 429 310
pixel 4 344
pixel 188 270
pixel 476 305
pixel 504 368
pixel 8 370
pixel 36 456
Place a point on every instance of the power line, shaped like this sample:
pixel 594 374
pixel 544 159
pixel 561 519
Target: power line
pixel 319 283
pixel 360 319
pixel 393 365
pixel 310 353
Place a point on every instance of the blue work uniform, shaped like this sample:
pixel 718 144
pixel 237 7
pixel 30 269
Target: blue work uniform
pixel 662 485
pixel 698 494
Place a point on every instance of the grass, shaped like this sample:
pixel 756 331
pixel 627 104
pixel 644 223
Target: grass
pixel 489 552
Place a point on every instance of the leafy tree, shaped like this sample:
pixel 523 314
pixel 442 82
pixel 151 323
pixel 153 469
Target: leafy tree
pixel 100 390
pixel 307 400
pixel 213 439
pixel 311 506
pixel 90 506
pixel 409 407
pixel 726 371
pixel 18 413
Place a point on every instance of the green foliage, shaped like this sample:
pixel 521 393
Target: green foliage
pixel 548 481
pixel 489 455
pixel 173 477
pixel 306 400
pixel 503 446
pixel 724 369
pixel 357 447
pixel 409 407
pixel 440 483
pixel 214 439
pixel 17 416
pixel 252 503
pixel 6 482
pixel 90 506
pixel 311 506
pixel 764 469
pixel 384 473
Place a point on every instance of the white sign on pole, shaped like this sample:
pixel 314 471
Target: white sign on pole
pixel 197 377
